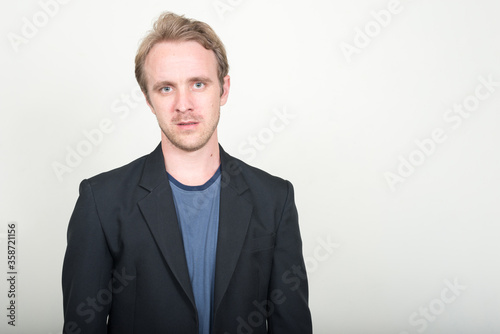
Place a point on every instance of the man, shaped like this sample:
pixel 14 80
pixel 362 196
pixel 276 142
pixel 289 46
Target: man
pixel 186 239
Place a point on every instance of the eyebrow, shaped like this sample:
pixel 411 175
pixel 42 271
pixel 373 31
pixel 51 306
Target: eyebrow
pixel 160 84
pixel 164 83
pixel 202 79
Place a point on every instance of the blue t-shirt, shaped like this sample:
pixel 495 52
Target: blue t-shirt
pixel 197 210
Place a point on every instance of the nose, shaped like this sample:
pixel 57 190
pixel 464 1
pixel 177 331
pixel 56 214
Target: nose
pixel 184 101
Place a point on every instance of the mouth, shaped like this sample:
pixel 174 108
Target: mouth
pixel 187 125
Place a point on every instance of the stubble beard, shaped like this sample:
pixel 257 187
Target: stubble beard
pixel 190 146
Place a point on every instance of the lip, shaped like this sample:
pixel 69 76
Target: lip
pixel 187 125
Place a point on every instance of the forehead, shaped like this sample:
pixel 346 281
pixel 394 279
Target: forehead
pixel 179 60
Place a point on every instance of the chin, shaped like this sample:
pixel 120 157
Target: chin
pixel 190 147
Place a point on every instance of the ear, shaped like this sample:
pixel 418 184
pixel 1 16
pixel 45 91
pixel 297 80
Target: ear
pixel 225 92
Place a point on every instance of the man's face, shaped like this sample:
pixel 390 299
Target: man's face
pixel 184 93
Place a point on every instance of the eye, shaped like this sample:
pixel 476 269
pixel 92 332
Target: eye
pixel 166 89
pixel 199 85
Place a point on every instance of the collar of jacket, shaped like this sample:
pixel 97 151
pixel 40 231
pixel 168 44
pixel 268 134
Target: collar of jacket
pixel 158 209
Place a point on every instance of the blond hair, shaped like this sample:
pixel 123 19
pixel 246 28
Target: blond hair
pixel 173 27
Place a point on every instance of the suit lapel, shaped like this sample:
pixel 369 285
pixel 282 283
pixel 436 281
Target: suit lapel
pixel 158 209
pixel 234 217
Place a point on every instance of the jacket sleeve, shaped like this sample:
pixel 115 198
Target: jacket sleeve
pixel 87 269
pixel 288 290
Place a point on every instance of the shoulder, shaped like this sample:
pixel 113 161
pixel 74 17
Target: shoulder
pixel 126 172
pixel 257 180
pixel 270 196
pixel 120 179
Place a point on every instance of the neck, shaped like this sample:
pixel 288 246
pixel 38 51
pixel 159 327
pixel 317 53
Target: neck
pixel 191 168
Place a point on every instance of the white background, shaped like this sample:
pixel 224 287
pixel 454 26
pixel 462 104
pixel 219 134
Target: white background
pixel 392 249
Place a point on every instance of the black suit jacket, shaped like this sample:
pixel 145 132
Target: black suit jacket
pixel 125 269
